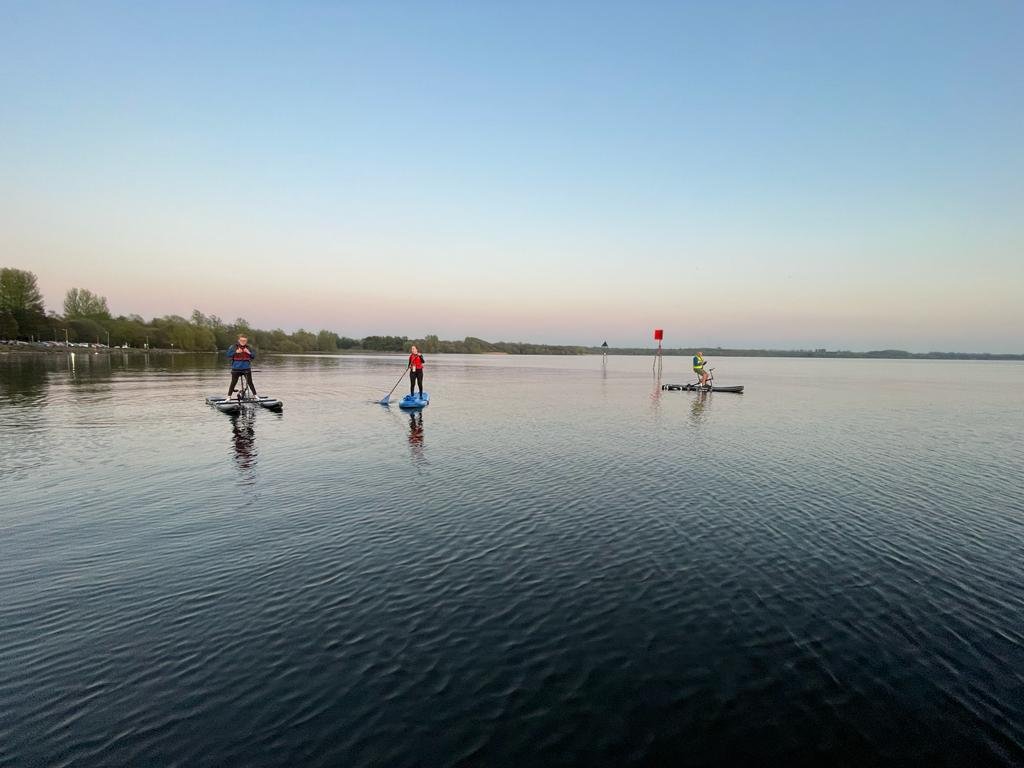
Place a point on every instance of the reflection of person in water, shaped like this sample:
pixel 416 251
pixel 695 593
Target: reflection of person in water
pixel 416 433
pixel 697 409
pixel 243 432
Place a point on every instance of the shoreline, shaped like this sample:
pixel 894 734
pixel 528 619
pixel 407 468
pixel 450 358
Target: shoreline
pixel 8 350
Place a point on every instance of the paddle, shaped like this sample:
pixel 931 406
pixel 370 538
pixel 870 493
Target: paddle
pixel 387 397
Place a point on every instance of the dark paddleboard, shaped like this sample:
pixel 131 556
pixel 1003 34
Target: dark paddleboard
pixel 225 405
pixel 697 388
pixel 409 402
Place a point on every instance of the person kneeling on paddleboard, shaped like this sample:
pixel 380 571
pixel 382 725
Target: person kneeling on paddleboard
pixel 698 368
pixel 415 370
pixel 241 364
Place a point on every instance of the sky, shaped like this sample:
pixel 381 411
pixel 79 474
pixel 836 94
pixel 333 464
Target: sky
pixel 847 175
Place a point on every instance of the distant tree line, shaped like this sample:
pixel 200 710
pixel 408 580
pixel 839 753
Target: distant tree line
pixel 86 318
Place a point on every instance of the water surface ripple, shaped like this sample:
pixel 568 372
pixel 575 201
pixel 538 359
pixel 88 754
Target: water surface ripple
pixel 555 563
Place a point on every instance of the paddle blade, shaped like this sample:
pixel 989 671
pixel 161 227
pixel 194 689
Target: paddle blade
pixel 386 400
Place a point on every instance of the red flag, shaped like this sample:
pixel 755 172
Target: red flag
pixel 658 334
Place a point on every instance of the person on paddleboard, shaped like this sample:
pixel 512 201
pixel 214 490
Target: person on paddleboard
pixel 241 356
pixel 698 368
pixel 415 370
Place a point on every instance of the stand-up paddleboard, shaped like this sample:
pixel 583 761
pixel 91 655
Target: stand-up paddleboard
pixel 415 401
pixel 233 405
pixel 698 388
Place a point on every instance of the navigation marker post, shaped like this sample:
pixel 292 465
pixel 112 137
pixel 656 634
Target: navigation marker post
pixel 659 334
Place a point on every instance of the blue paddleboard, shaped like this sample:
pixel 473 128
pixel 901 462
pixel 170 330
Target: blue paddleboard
pixel 415 401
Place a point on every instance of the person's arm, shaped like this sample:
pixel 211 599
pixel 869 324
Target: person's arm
pixel 230 352
pixel 252 353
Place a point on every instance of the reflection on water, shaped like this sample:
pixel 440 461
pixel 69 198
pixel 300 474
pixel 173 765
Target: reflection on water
pixel 547 585
pixel 243 436
pixel 656 393
pixel 700 401
pixel 416 436
pixel 24 378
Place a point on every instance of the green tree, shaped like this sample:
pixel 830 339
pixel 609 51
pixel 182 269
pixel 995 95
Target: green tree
pixel 385 343
pixel 304 340
pixel 203 340
pixel 130 330
pixel 85 329
pixel 81 302
pixel 19 291
pixel 158 338
pixel 327 341
pixel 8 325
pixel 182 336
pixel 52 327
pixel 19 295
pixel 171 331
pixel 207 332
pixel 474 345
pixel 278 340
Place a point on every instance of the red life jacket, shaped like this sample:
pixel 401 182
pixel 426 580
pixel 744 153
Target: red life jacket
pixel 241 353
pixel 416 362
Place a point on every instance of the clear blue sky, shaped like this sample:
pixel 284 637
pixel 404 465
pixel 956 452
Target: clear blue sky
pixel 758 174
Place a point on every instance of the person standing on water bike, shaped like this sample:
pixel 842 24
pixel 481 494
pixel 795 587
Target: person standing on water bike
pixel 698 368
pixel 415 370
pixel 241 357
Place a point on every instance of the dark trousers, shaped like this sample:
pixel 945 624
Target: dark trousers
pixel 415 376
pixel 236 375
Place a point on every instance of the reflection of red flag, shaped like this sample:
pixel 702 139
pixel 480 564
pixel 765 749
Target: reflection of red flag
pixel 658 334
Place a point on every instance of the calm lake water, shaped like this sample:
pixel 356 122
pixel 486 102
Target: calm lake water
pixel 556 563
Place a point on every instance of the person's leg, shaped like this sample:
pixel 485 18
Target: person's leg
pixel 234 380
pixel 419 380
pixel 248 380
pixel 412 381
